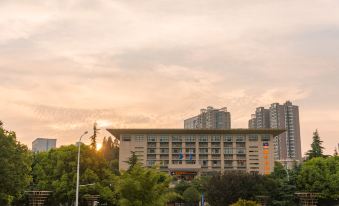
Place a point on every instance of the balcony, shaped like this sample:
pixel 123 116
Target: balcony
pixel 151 145
pixel 190 145
pixel 164 145
pixel 176 145
pixel 203 145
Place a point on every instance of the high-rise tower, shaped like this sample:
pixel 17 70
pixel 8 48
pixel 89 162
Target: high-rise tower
pixel 287 146
pixel 210 118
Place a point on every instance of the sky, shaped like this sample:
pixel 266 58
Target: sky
pixel 65 64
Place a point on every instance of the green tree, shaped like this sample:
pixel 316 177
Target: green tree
pixel 144 187
pixel 15 161
pixel 316 148
pixel 335 152
pixel 286 185
pixel 132 161
pixel 181 186
pixel 55 170
pixel 228 188
pixel 320 175
pixel 242 202
pixel 94 136
pixel 191 196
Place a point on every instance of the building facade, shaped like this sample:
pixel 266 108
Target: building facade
pixel 43 144
pixel 210 118
pixel 186 153
pixel 287 146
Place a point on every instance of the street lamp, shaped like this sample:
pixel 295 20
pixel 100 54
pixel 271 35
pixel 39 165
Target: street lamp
pixel 78 170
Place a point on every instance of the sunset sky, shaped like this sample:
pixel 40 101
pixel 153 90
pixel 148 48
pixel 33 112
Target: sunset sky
pixel 67 63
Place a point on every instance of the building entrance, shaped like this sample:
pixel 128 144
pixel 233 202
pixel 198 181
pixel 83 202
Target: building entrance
pixel 184 175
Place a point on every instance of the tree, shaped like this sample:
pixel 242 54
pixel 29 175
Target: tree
pixel 286 185
pixel 335 152
pixel 55 170
pixel 228 188
pixel 181 186
pixel 242 202
pixel 15 161
pixel 110 151
pixel 144 187
pixel 316 148
pixel 94 136
pixel 132 161
pixel 320 175
pixel 191 196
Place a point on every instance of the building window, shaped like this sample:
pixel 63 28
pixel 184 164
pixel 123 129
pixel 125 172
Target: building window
pixel 163 139
pixel 203 151
pixel 139 138
pixel 253 137
pixel 228 139
pixel 151 138
pixel 151 151
pixel 150 163
pixel 215 151
pixel 203 139
pixel 215 139
pixel 189 139
pixel 176 151
pixel 240 151
pixel 126 138
pixel 265 137
pixel 228 150
pixel 228 163
pixel 164 144
pixel 240 139
pixel 164 151
pixel 176 139
pixel 190 151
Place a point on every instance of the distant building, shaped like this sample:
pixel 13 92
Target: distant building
pixel 252 123
pixel 287 146
pixel 210 118
pixel 43 144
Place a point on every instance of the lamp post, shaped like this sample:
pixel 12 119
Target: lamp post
pixel 78 170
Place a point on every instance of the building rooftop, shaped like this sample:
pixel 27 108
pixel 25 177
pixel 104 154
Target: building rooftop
pixel 116 132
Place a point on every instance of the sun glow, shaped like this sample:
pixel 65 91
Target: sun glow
pixel 99 145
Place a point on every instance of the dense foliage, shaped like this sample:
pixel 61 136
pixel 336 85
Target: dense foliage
pixel 228 188
pixel 242 202
pixel 321 175
pixel 144 187
pixel 56 171
pixel 191 196
pixel 15 161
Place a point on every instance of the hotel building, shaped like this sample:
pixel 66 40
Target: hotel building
pixel 186 153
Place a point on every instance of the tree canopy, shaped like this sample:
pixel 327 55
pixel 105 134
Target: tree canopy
pixel 15 161
pixel 144 187
pixel 228 188
pixel 55 170
pixel 320 175
pixel 316 147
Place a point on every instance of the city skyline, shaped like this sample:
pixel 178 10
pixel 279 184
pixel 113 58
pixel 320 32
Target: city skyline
pixel 66 64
